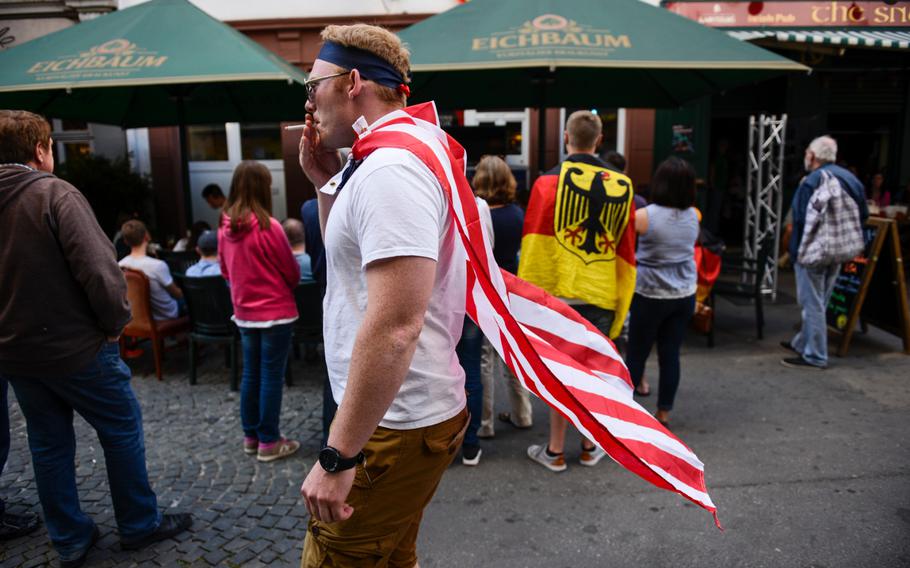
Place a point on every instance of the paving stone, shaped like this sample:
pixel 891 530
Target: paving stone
pixel 39 560
pixel 216 557
pixel 243 557
pixel 12 560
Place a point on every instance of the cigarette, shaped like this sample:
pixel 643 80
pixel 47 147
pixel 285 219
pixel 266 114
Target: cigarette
pixel 295 127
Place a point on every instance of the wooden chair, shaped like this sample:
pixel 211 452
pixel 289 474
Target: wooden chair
pixel 208 301
pixel 143 325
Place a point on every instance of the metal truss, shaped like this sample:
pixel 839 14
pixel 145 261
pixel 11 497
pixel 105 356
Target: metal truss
pixel 764 194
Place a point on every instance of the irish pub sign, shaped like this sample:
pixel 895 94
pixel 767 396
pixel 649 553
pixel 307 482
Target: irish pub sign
pixel 830 13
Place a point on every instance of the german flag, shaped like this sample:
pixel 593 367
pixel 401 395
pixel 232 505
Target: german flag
pixel 579 236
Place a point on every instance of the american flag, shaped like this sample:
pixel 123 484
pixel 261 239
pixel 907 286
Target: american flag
pixel 554 352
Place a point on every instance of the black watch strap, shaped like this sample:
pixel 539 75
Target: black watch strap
pixel 332 461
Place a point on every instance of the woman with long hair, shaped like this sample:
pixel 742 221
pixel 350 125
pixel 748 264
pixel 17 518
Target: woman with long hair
pixel 666 279
pixel 493 182
pixel 257 261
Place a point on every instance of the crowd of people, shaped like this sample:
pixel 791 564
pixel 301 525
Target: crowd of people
pixel 410 379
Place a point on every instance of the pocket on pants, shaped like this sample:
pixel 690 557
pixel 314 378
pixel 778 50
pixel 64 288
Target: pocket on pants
pixel 323 548
pixel 382 452
pixel 448 436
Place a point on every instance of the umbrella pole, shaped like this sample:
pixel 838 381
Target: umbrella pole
pixel 541 140
pixel 184 165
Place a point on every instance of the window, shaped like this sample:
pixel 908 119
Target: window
pixel 260 141
pixel 207 143
pixel 72 150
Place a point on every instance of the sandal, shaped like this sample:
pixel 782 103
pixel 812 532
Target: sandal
pixel 643 393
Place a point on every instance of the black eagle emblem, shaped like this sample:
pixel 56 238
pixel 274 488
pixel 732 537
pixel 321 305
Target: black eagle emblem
pixel 589 220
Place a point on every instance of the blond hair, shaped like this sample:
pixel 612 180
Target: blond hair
pixel 493 181
pixel 583 128
pixel 381 43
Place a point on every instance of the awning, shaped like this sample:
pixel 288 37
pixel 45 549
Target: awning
pixel 884 39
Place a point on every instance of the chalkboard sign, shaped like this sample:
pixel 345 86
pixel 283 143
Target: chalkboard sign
pixel 850 280
pixel 871 288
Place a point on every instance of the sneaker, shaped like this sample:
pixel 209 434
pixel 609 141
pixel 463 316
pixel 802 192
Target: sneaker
pixel 539 454
pixel 77 561
pixel 789 347
pixel 800 363
pixel 13 526
pixel 592 457
pixel 470 455
pixel 171 524
pixel 277 450
pixel 250 446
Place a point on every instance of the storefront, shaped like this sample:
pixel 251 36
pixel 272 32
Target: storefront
pixel 858 92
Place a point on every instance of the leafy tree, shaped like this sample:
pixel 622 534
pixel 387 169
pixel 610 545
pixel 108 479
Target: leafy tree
pixel 114 191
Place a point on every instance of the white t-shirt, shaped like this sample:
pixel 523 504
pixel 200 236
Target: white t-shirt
pixel 393 206
pixel 164 306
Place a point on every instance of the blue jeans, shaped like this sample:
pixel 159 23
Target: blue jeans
pixel 813 289
pixel 468 350
pixel 100 393
pixel 663 321
pixel 265 356
pixel 4 433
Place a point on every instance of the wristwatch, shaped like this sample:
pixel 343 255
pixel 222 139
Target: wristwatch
pixel 331 460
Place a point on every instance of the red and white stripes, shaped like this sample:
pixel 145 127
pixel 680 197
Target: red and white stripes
pixel 554 352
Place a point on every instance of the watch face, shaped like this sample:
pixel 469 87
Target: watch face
pixel 328 459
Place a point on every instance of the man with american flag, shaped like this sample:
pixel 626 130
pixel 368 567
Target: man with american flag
pixel 399 220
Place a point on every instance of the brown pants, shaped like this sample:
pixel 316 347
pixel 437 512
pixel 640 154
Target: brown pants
pixel 401 473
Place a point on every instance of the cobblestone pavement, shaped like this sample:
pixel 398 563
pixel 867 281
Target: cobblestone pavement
pixel 245 513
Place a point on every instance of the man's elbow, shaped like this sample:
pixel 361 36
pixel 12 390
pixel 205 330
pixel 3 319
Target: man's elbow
pixel 403 334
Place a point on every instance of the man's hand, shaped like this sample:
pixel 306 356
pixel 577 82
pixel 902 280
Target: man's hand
pixel 324 494
pixel 318 163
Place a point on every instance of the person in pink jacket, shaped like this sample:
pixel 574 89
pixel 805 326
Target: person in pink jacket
pixel 257 261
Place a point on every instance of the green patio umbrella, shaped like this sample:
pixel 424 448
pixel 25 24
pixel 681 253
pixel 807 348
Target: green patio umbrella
pixel 554 53
pixel 161 63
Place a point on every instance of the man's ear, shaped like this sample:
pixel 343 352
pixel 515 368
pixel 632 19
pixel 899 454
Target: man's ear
pixel 41 151
pixel 598 141
pixel 565 138
pixel 356 84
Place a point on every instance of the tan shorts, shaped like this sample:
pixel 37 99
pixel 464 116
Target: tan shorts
pixel 402 471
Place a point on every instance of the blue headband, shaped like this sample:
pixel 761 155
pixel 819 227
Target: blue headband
pixel 370 66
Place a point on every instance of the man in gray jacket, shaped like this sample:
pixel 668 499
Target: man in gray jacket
pixel 64 307
pixel 814 284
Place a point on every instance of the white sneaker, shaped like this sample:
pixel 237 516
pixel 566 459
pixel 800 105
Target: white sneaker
pixel 591 458
pixel 538 453
pixel 470 455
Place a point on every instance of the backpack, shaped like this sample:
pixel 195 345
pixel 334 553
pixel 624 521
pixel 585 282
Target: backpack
pixel 833 233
